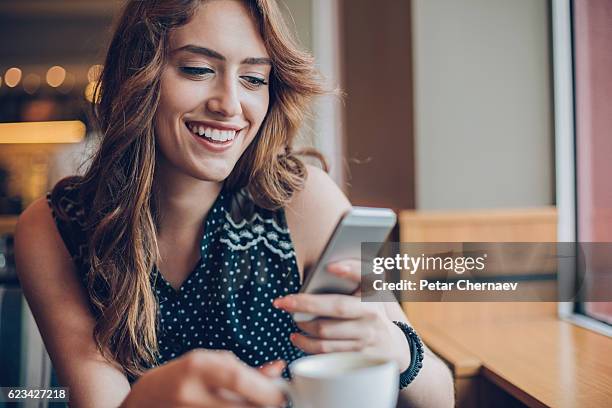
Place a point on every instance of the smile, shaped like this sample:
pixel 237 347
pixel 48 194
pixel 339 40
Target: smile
pixel 212 134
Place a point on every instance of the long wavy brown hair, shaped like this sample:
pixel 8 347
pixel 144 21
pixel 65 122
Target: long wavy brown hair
pixel 118 186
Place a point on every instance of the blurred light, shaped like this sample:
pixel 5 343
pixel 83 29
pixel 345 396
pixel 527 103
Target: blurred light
pixel 56 76
pixel 31 83
pixel 89 91
pixel 0 80
pixel 12 77
pixel 71 131
pixel 93 74
pixel 68 84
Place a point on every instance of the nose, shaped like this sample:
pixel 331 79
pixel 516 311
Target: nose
pixel 225 100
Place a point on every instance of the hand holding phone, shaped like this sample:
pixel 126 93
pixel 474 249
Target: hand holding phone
pixel 360 224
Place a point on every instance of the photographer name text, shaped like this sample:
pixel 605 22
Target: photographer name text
pixel 423 263
pixel 463 285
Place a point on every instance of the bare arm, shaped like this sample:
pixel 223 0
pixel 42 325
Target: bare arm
pixel 314 212
pixel 433 386
pixel 312 215
pixel 58 301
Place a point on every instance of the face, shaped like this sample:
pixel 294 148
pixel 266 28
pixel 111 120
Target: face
pixel 214 92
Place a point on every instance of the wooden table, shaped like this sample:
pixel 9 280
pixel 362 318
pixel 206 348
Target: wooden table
pixel 503 353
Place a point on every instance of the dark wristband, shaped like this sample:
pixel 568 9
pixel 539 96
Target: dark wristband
pixel 416 354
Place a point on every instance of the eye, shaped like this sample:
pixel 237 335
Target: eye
pixel 196 71
pixel 253 81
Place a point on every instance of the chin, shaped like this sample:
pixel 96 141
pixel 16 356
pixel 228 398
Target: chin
pixel 214 173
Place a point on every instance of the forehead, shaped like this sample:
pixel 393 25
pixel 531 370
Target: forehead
pixel 225 26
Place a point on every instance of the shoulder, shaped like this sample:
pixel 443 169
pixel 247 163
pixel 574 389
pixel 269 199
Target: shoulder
pixel 36 233
pixel 313 213
pixel 37 219
pixel 320 196
pixel 50 227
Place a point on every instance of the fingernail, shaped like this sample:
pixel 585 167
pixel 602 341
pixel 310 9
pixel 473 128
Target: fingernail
pixel 284 302
pixel 341 269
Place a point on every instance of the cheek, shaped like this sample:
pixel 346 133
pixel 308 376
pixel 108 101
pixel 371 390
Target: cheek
pixel 176 96
pixel 257 106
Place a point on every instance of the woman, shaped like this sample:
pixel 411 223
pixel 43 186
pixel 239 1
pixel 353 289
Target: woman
pixel 199 102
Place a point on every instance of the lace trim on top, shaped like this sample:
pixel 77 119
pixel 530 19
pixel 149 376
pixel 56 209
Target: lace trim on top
pixel 247 233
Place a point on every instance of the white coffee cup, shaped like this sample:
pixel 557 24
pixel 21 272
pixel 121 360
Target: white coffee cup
pixel 339 380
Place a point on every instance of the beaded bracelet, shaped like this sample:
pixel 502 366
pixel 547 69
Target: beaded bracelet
pixel 416 354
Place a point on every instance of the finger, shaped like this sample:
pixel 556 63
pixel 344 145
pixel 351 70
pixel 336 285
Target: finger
pixel 225 399
pixel 337 306
pixel 333 328
pixel 222 403
pixel 313 345
pixel 228 404
pixel 348 269
pixel 223 370
pixel 273 369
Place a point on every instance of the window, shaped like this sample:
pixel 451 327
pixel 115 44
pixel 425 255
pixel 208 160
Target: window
pixel 583 89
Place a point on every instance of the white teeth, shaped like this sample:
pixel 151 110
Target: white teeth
pixel 229 134
pixel 214 134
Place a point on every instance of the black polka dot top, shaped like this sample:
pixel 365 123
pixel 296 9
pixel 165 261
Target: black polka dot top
pixel 247 261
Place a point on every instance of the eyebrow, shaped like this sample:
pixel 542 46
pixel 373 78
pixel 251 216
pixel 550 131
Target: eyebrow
pixel 207 52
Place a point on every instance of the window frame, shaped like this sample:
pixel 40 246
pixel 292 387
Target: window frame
pixel 565 151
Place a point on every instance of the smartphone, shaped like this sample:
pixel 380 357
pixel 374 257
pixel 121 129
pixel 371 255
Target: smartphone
pixel 360 224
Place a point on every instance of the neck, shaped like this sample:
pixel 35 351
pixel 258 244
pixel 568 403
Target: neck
pixel 183 200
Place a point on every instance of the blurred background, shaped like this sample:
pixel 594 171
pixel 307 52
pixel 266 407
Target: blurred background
pixel 476 120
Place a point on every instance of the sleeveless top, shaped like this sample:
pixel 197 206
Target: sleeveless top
pixel 247 261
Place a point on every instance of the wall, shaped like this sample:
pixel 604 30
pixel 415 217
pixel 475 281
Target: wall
pixel 377 66
pixel 298 15
pixel 483 114
pixel 316 24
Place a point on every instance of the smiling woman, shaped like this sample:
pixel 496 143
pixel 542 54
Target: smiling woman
pixel 193 219
pixel 214 87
